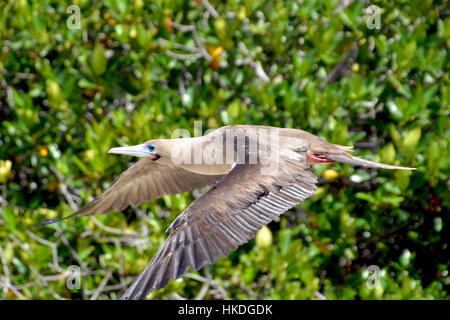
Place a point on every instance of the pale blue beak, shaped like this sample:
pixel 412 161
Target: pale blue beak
pixel 136 151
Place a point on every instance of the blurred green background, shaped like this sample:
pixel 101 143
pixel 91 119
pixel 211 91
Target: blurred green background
pixel 137 70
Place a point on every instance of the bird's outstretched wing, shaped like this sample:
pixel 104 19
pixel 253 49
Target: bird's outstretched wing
pixel 142 182
pixel 228 215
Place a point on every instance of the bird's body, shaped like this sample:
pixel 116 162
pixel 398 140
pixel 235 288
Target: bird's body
pixel 257 173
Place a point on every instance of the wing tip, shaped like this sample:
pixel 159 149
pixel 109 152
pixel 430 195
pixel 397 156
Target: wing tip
pixel 47 222
pixel 51 221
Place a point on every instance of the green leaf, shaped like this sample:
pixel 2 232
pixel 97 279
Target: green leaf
pixel 10 219
pixel 99 60
pixel 411 140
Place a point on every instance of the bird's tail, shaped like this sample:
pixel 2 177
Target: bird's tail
pixel 349 159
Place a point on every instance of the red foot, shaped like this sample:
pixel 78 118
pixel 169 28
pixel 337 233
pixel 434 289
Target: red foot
pixel 316 158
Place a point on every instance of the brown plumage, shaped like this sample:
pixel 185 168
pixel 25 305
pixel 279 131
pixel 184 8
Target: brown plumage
pixel 257 172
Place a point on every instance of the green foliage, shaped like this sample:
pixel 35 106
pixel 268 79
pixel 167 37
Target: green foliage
pixel 68 95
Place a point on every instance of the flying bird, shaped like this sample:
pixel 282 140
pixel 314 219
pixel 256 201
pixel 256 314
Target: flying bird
pixel 256 173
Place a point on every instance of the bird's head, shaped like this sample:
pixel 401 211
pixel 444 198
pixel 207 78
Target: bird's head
pixel 152 149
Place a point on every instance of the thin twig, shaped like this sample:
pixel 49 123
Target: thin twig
pixel 179 46
pixel 19 243
pixel 45 283
pixel 52 245
pixel 203 291
pixel 210 281
pixel 210 9
pixel 183 56
pixel 255 65
pixel 114 230
pixel 342 67
pixel 176 296
pixel 122 285
pixel 319 296
pixel 66 242
pixel 71 199
pixel 101 286
pixel 5 271
pixel 199 51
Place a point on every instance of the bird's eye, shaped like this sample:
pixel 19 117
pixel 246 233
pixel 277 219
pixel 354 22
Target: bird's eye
pixel 151 148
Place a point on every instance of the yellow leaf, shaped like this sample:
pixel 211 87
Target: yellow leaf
pixel 264 237
pixel 242 14
pixel 215 51
pixel 43 151
pixel 330 174
pixel 5 169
